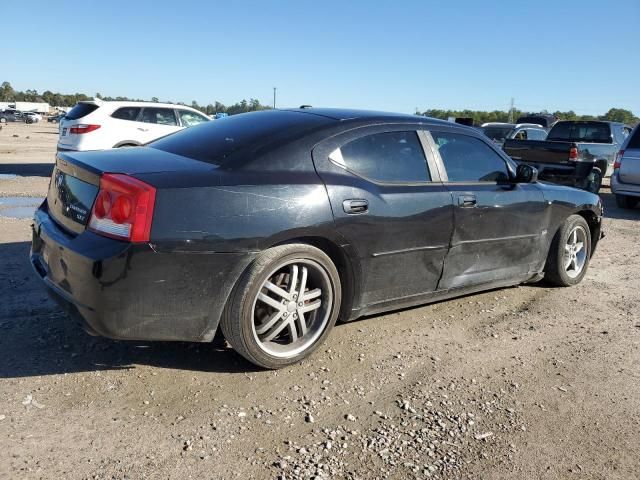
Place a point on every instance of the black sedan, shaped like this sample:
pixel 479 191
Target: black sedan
pixel 273 225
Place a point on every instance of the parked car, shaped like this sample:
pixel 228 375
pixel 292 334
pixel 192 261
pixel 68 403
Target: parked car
pixel 11 115
pixel 31 117
pixel 499 132
pixel 271 225
pixel 575 153
pixel 99 125
pixel 625 181
pixel 55 118
pixel 545 120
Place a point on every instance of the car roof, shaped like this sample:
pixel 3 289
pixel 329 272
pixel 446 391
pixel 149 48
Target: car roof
pixel 126 103
pixel 498 124
pixel 345 114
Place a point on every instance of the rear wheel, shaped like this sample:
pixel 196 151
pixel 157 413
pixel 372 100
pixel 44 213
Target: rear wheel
pixel 283 306
pixel 3 120
pixel 625 201
pixel 570 253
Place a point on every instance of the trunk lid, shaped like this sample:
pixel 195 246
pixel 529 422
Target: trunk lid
pixel 75 181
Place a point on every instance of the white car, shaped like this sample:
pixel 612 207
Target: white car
pixel 35 117
pixel 100 125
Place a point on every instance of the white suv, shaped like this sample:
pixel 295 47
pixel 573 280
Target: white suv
pixel 99 125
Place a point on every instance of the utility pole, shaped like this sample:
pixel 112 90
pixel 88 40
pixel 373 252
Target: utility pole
pixel 511 108
pixel 274 97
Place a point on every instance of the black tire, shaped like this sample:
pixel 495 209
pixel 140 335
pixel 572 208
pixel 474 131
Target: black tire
pixel 237 321
pixel 555 271
pixel 626 201
pixel 594 181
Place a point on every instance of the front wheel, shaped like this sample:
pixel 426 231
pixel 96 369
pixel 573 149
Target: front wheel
pixel 570 253
pixel 284 306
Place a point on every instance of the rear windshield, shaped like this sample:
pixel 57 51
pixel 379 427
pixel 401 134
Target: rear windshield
pixel 498 134
pixel 214 141
pixel 634 141
pixel 81 110
pixel 590 132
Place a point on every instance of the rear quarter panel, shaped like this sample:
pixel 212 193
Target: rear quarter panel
pixel 232 213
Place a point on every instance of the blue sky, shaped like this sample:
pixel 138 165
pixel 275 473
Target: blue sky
pixel 392 55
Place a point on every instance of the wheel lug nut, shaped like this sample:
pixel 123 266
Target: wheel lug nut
pixel 299 304
pixel 286 314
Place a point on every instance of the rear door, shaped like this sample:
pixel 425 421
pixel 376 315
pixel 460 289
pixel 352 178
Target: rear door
pixel 390 206
pixel 498 226
pixel 156 122
pixel 630 165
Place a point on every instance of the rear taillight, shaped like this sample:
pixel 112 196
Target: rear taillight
pixel 82 128
pixel 618 160
pixel 573 153
pixel 123 208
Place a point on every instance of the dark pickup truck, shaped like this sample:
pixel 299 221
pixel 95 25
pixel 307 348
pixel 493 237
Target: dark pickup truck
pixel 575 153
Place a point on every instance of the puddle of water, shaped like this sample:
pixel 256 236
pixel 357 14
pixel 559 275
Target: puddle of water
pixel 19 207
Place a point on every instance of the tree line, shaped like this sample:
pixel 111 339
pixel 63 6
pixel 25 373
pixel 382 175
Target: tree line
pixel 8 94
pixel 480 117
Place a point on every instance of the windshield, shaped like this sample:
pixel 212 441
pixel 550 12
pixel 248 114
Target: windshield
pixel 497 134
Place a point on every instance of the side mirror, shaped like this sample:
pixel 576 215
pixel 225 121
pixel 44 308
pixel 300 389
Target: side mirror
pixel 526 174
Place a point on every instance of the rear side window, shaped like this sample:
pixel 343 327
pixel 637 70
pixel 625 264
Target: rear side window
pixel 81 110
pixel 160 116
pixel 385 157
pixel 593 132
pixel 126 113
pixel 468 159
pixel 189 119
pixel 634 141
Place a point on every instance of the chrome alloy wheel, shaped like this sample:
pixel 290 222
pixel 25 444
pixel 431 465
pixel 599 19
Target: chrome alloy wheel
pixel 575 252
pixel 292 308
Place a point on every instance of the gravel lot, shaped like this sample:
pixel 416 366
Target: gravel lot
pixel 522 383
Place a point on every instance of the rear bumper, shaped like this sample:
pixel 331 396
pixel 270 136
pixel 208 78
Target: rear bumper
pixel 128 291
pixel 621 188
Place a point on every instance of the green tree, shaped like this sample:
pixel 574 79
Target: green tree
pixel 620 115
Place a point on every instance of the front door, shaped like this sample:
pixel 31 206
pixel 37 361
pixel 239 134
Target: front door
pixel 390 206
pixel 498 230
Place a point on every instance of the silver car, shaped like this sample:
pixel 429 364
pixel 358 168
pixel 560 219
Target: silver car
pixel 625 181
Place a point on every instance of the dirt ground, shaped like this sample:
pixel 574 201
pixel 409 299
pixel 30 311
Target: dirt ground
pixel 521 383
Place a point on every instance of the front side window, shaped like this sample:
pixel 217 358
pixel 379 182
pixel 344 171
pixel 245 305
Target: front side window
pixel 521 135
pixel 533 134
pixel 126 113
pixel 189 119
pixel 385 157
pixel 161 116
pixel 468 159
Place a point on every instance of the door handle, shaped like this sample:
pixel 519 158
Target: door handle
pixel 467 201
pixel 143 129
pixel 355 206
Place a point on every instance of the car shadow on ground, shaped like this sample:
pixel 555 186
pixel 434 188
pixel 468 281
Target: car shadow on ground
pixel 27 169
pixel 611 209
pixel 38 338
